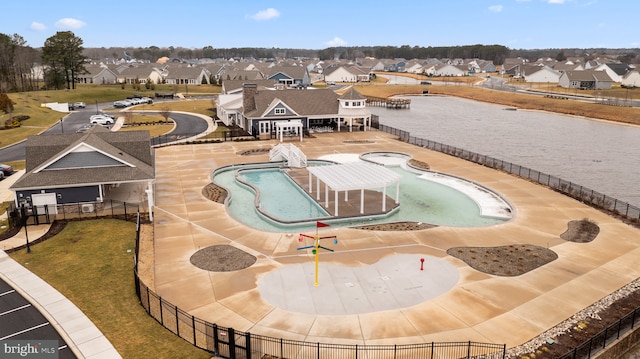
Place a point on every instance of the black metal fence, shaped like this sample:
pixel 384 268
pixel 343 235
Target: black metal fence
pixel 609 335
pixel 229 343
pixel 34 215
pixel 574 190
pixel 581 193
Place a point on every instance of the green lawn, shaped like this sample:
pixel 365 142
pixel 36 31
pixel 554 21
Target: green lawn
pixel 91 263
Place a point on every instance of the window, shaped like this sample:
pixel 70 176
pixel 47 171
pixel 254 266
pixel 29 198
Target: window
pixel 279 111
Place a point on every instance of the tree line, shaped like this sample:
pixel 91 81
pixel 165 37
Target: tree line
pixel 62 57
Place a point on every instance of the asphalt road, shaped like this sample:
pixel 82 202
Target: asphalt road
pixel 186 126
pixel 20 320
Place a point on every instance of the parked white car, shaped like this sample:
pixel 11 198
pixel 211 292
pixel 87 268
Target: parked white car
pixel 79 105
pixel 102 120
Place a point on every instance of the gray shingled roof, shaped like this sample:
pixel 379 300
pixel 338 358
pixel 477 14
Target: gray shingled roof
pixel 47 164
pixel 352 94
pixel 303 102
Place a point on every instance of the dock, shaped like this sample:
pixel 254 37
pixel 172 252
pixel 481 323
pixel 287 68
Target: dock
pixel 398 103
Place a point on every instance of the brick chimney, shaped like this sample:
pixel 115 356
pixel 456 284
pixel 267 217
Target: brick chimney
pixel 249 92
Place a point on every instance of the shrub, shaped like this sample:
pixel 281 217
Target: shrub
pixel 6 105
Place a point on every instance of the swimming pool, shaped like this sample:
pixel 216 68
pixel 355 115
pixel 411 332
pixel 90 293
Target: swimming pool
pixel 280 205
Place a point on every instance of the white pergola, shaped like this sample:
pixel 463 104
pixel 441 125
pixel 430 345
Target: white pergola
pixel 353 176
pixel 291 125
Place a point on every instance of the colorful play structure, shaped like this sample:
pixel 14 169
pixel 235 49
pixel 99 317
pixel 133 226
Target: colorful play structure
pixel 316 245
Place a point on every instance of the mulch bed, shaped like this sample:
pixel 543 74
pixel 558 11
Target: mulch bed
pixel 222 258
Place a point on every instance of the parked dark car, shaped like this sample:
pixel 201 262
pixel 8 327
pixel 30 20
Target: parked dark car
pixel 6 169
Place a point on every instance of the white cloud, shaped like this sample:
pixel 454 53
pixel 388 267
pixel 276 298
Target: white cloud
pixel 69 23
pixel 37 26
pixel 495 8
pixel 267 14
pixel 336 41
pixel 556 1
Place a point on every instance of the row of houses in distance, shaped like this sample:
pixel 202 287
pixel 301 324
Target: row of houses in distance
pixel 572 73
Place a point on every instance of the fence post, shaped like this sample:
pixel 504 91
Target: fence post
pixel 216 344
pixel 193 325
pixel 177 321
pixel 247 339
pixel 469 349
pixel 232 343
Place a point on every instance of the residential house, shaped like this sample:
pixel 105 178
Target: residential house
pixel 540 74
pixel 346 74
pixel 97 74
pixel 414 67
pixel 615 70
pixel 290 76
pixel 631 79
pixel 450 70
pixel 485 66
pixel 75 169
pixel 187 75
pixel 585 80
pixel 395 65
pixel 140 73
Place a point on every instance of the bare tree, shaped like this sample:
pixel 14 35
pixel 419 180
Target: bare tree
pixel 165 112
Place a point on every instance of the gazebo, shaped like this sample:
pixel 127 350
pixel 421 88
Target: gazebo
pixel 292 126
pixel 353 176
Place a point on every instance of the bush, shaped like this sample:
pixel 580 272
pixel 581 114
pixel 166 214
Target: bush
pixel 11 123
pixel 6 104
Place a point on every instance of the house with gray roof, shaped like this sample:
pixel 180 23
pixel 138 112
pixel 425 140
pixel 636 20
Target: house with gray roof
pixel 97 74
pixel 585 80
pixel 187 75
pixel 289 75
pixel 74 169
pixel 316 109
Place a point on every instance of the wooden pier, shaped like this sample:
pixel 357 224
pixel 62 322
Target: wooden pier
pixel 389 102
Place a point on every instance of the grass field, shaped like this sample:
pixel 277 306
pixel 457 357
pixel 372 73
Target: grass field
pixel 91 263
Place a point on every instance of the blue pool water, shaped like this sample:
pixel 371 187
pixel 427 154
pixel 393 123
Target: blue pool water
pixel 420 201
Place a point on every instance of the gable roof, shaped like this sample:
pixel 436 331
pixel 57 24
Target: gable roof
pixel 302 102
pixel 588 75
pixel 97 156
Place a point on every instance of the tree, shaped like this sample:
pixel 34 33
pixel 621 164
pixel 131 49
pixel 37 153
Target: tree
pixel 561 56
pixel 16 62
pixel 62 53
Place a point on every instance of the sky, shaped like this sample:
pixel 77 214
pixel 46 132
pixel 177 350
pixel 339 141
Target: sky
pixel 516 24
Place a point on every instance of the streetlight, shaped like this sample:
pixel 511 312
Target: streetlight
pixel 61 125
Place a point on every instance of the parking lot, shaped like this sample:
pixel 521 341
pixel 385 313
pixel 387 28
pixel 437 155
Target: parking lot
pixel 20 320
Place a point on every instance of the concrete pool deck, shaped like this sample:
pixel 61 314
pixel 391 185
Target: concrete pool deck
pixel 479 307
